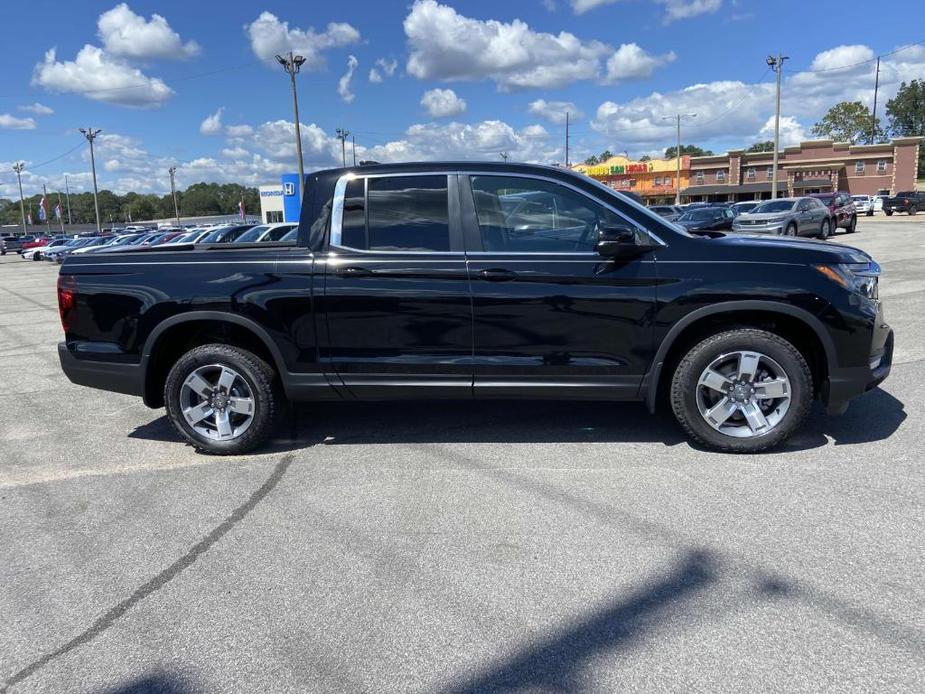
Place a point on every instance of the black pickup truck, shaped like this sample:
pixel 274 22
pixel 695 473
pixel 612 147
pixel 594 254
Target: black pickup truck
pixel 479 280
pixel 908 201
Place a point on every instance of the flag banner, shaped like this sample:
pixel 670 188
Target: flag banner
pixel 241 209
pixel 29 219
pixel 58 211
pixel 43 211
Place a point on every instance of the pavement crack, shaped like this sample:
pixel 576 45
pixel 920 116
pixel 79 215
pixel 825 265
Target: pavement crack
pixel 160 580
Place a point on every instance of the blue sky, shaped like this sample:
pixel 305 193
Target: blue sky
pixel 194 84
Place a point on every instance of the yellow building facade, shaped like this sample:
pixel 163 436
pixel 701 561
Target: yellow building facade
pixel 656 180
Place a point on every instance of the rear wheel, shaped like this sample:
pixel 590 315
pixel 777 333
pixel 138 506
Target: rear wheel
pixel 222 399
pixel 824 229
pixel 853 224
pixel 912 210
pixel 791 230
pixel 889 213
pixel 741 391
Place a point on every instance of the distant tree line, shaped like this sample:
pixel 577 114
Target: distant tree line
pixel 199 200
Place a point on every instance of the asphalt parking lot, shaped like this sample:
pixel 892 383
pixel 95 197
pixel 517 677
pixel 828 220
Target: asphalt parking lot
pixel 509 547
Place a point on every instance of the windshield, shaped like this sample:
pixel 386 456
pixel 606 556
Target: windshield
pixel 252 235
pixel 214 236
pixel 774 206
pixel 905 194
pixel 825 199
pixel 291 235
pixel 860 198
pixel 698 215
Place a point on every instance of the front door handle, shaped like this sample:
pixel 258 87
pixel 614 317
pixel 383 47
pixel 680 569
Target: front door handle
pixel 497 275
pixel 351 271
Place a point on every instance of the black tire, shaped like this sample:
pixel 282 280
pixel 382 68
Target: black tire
pixel 870 213
pixel 791 230
pixel 853 224
pixel 684 384
pixel 912 210
pixel 260 379
pixel 824 229
pixel 889 213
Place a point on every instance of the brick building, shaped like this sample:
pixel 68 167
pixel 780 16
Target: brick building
pixel 814 166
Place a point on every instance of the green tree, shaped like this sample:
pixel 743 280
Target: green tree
pixel 906 112
pixel 645 157
pixel 848 121
pixel 592 160
pixel 766 146
pixel 692 150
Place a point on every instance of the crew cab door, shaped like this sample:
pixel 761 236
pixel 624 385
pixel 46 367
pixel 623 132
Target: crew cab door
pixel 396 290
pixel 552 318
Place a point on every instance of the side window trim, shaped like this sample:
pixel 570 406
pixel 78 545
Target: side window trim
pixel 474 238
pixel 335 239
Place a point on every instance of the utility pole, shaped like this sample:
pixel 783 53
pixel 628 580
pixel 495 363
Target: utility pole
pixel 291 65
pixel 18 168
pixel 503 156
pixel 353 141
pixel 776 64
pixel 677 153
pixel 873 120
pixel 67 193
pixel 342 135
pixel 173 191
pixel 566 140
pixel 91 135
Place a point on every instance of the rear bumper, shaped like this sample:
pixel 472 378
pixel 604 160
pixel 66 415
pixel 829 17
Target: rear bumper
pixel 846 384
pixel 119 378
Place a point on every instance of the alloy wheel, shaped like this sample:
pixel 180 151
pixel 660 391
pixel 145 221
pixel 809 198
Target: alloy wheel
pixel 217 402
pixel 743 394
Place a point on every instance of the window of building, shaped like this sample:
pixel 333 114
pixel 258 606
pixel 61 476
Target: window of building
pixel 522 215
pixel 859 167
pixel 751 174
pixel 700 178
pixel 658 180
pixel 881 166
pixel 274 217
pixel 770 172
pixel 720 176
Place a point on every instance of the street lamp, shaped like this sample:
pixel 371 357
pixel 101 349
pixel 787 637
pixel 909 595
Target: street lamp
pixel 291 65
pixel 173 191
pixel 18 168
pixel 776 64
pixel 91 135
pixel 677 153
pixel 342 135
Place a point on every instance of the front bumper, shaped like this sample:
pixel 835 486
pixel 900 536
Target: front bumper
pixel 845 384
pixel 117 377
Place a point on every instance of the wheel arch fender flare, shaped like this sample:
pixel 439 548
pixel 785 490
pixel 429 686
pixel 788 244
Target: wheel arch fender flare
pixel 650 382
pixel 218 316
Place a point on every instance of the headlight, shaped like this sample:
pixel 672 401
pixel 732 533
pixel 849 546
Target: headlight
pixel 861 278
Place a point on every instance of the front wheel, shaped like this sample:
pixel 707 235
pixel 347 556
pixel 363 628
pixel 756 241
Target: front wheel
pixel 852 224
pixel 824 229
pixel 791 230
pixel 741 391
pixel 889 213
pixel 222 399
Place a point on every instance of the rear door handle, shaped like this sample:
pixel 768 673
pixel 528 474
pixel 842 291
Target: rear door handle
pixel 497 275
pixel 351 271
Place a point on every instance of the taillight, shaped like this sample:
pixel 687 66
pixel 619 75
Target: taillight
pixel 67 300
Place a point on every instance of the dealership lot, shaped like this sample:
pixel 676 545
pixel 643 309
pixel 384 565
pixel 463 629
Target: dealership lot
pixel 459 547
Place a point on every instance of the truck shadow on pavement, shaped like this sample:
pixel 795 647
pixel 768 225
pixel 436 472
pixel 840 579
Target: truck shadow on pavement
pixel 873 417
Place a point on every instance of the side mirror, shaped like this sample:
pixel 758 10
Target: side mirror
pixel 616 241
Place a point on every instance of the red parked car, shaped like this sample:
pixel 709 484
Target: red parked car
pixel 35 242
pixel 842 208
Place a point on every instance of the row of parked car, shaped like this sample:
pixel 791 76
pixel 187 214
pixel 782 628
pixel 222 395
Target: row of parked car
pixel 813 215
pixel 56 249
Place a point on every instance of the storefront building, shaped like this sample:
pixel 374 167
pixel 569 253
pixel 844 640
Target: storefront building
pixel 279 202
pixel 655 180
pixel 814 166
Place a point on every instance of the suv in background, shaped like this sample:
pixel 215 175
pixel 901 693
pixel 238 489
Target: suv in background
pixel 863 204
pixel 909 201
pixel 842 209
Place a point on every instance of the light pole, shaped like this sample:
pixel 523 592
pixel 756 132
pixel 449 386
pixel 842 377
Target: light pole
pixel 342 135
pixel 353 142
pixel 91 135
pixel 504 156
pixel 776 64
pixel 173 191
pixel 873 118
pixel 67 193
pixel 18 168
pixel 677 153
pixel 291 65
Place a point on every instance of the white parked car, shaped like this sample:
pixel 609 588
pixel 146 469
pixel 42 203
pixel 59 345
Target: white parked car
pixel 864 204
pixel 265 233
pixel 36 252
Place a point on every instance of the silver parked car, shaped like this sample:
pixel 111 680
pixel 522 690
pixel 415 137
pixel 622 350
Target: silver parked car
pixel 787 217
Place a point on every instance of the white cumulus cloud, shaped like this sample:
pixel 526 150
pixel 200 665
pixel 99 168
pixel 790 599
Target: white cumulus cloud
pixel 37 108
pixel 674 9
pixel 129 35
pixel 442 103
pixel 343 84
pixel 554 111
pixel 270 37
pixel 212 125
pixel 383 69
pixel 791 132
pixel 13 123
pixel 445 45
pixel 631 62
pixel 97 75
